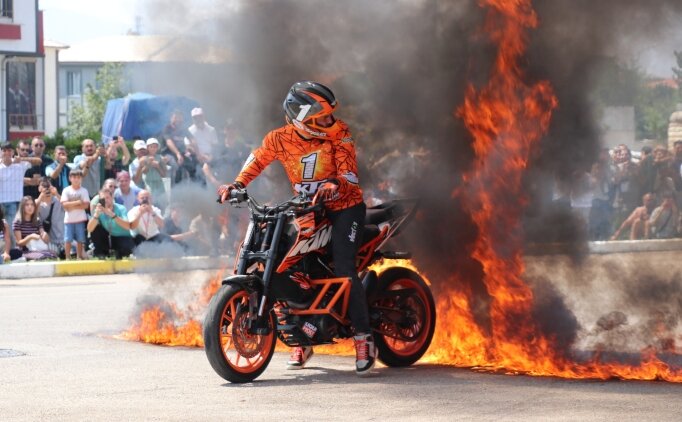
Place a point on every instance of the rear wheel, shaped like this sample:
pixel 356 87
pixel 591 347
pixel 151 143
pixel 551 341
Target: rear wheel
pixel 408 317
pixel 234 353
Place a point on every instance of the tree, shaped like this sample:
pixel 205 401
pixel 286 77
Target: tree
pixel 653 108
pixel 86 120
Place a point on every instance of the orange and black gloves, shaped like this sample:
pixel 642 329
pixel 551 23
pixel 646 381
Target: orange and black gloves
pixel 328 190
pixel 224 191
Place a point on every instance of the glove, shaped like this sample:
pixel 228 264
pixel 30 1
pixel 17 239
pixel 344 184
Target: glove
pixel 224 192
pixel 328 191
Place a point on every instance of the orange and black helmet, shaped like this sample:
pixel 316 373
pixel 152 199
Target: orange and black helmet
pixel 305 104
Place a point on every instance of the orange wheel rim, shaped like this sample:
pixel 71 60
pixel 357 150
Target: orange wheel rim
pixel 418 327
pixel 244 352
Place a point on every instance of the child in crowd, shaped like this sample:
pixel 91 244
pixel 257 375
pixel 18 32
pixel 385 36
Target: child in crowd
pixel 75 200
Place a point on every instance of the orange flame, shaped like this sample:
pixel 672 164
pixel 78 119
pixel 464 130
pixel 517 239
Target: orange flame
pixel 507 118
pixel 166 324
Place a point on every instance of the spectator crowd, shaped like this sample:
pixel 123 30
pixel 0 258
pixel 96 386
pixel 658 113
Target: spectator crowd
pixel 109 203
pixel 629 198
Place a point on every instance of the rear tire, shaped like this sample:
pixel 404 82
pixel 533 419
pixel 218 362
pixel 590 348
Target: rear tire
pixel 420 311
pixel 234 354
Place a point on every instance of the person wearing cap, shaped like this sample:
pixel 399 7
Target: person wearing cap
pixel 153 169
pixel 140 150
pixel 12 169
pixel 204 137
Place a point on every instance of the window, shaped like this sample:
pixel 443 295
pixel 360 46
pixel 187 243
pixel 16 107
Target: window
pixel 21 94
pixel 6 9
pixel 73 83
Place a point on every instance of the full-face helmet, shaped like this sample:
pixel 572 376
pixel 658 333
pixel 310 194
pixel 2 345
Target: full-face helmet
pixel 308 107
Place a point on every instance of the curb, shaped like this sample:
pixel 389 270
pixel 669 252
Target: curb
pixel 21 270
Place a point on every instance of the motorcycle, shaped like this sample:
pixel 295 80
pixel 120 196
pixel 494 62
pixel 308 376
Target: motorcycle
pixel 284 288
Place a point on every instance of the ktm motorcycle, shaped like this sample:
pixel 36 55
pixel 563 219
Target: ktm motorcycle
pixel 284 288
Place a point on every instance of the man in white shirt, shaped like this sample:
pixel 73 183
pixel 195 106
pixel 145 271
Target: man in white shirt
pixel 12 169
pixel 205 139
pixel 135 167
pixel 146 222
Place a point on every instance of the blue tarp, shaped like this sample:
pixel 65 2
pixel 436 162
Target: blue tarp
pixel 143 115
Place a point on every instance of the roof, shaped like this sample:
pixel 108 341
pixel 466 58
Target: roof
pixel 47 43
pixel 143 48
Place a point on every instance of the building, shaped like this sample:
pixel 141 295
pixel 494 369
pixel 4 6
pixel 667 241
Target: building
pixel 22 80
pixel 145 58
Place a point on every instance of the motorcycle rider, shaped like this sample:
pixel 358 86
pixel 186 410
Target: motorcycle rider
pixel 318 154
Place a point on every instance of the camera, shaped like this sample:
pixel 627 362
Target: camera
pixel 102 202
pixel 145 201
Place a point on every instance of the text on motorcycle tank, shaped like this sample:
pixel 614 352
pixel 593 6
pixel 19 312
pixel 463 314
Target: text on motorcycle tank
pixel 317 241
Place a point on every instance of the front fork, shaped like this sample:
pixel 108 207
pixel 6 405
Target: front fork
pixel 259 320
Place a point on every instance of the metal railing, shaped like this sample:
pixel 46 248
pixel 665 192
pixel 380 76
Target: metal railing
pixel 23 121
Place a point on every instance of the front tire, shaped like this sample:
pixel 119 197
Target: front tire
pixel 235 354
pixel 402 343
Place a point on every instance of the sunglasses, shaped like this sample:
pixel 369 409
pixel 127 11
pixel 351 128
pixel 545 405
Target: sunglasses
pixel 24 149
pixel 38 145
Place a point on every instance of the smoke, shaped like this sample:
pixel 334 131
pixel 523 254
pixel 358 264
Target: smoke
pixel 400 69
pixel 619 302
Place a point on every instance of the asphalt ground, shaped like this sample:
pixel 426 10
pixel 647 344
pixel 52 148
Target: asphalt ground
pixel 70 367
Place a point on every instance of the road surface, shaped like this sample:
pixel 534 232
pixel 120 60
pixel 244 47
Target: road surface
pixel 70 368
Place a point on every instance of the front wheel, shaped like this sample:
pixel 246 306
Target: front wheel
pixel 407 317
pixel 234 353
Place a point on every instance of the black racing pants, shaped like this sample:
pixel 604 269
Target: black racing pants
pixel 347 227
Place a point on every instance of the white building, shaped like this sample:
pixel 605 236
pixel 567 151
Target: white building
pixel 21 56
pixel 51 61
pixel 145 59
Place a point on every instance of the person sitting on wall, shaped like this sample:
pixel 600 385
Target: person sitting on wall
pixel 638 219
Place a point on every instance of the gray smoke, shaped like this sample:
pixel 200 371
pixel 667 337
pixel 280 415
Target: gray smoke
pixel 400 69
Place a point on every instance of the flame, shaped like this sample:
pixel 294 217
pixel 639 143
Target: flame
pixel 166 324
pixel 507 118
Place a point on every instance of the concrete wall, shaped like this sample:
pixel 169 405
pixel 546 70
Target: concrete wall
pixel 624 297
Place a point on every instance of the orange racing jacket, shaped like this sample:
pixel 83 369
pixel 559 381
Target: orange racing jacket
pixel 309 163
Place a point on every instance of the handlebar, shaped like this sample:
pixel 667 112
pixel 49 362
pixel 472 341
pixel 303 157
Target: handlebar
pixel 300 202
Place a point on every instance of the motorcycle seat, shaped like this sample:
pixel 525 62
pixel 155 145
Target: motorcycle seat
pixel 380 213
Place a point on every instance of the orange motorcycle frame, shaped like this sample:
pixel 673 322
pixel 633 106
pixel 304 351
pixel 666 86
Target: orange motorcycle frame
pixel 341 295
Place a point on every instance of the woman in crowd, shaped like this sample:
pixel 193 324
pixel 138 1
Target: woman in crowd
pixel 51 214
pixel 28 232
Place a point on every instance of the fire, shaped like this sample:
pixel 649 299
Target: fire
pixel 166 324
pixel 507 118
